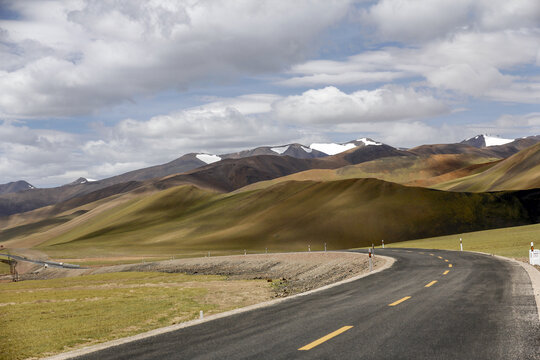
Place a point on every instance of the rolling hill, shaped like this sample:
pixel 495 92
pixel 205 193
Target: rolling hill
pixel 520 171
pixel 409 170
pixel 345 213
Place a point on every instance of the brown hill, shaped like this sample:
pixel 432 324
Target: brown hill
pixel 520 171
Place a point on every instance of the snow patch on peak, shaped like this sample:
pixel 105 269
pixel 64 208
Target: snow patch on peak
pixel 368 142
pixel 280 150
pixel 494 141
pixel 207 158
pixel 332 148
pixel 308 150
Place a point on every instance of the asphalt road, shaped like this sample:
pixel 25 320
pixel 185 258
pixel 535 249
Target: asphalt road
pixel 481 308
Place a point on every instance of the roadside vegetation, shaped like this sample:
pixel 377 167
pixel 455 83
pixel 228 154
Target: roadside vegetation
pixel 39 318
pixel 510 242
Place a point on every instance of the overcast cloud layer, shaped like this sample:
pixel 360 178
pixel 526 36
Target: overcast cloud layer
pixel 401 72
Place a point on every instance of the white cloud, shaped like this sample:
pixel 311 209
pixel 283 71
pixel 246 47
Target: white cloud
pixel 397 20
pixel 480 64
pixel 424 20
pixel 76 57
pixel 332 106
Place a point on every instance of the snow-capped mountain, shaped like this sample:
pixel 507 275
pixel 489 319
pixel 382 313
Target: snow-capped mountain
pixel 298 151
pixel 334 148
pixel 15 186
pixel 484 140
pixel 81 180
pixel 208 158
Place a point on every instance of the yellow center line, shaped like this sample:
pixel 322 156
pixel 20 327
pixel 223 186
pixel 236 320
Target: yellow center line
pixel 325 338
pixel 449 265
pixel 431 283
pixel 446 272
pixel 446 260
pixel 440 257
pixel 399 301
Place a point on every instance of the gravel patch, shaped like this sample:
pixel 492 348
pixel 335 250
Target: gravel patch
pixel 291 273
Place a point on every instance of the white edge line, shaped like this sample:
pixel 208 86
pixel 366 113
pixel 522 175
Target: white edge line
pixel 93 348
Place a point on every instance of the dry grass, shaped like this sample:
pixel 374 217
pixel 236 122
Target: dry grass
pixel 50 316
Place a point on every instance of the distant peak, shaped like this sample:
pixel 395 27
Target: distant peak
pixel 332 148
pixel 80 181
pixel 207 158
pixel 485 140
pixel 368 141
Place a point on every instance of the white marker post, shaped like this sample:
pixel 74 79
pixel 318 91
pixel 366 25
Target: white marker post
pixel 534 255
pixel 201 315
pixel 460 244
pixel 382 241
pixel 370 261
pixel 309 248
pixel 245 252
pixel 324 247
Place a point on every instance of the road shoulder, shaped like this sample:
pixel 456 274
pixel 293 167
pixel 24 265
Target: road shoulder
pixel 389 261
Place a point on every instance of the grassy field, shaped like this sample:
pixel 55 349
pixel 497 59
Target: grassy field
pixel 50 316
pixel 510 242
pixel 4 268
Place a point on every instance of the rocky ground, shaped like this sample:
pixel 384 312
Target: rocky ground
pixel 290 273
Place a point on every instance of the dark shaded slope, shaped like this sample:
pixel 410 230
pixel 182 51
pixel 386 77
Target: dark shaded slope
pixel 231 174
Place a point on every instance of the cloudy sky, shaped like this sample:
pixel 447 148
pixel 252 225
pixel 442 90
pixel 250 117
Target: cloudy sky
pixel 96 88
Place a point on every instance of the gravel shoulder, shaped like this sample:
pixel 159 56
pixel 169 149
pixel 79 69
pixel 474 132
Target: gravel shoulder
pixel 297 272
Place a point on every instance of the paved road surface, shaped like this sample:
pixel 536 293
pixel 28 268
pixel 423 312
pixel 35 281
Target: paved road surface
pixel 475 307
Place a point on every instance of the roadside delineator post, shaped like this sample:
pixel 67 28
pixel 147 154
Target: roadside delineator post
pixel 370 261
pixel 201 315
pixel 209 254
pixel 460 245
pixel 309 248
pixel 245 252
pixel 382 241
pixel 534 255
pixel 324 247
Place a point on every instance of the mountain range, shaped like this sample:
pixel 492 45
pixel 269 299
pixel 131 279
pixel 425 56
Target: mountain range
pixel 86 211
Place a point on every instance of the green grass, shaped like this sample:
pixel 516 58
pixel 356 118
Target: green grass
pixel 4 268
pixel 49 316
pixel 510 242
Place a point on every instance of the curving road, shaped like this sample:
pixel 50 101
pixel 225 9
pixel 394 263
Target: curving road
pixel 448 305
